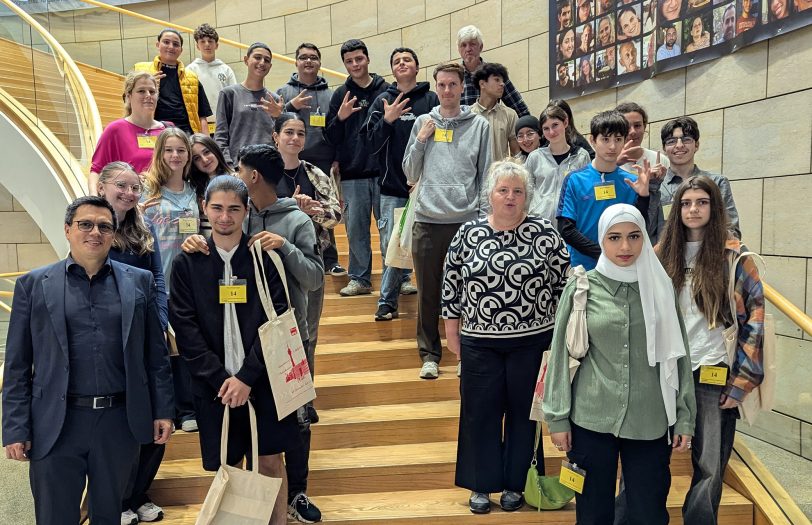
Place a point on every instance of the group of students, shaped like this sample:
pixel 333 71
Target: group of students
pixel 187 203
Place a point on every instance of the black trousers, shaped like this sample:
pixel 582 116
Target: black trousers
pixel 182 382
pixel 430 244
pixel 297 458
pixel 93 444
pixel 143 474
pixel 496 436
pixel 330 254
pixel 646 476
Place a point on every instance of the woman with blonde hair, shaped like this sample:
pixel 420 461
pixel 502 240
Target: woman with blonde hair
pixel 170 203
pixel 134 244
pixel 130 139
pixel 503 275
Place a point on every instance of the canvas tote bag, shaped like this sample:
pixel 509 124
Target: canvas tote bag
pixel 237 496
pixel 398 256
pixel 282 347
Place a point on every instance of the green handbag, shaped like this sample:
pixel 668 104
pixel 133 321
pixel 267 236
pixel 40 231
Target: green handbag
pixel 544 492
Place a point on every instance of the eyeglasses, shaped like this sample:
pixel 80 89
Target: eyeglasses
pixel 105 228
pixel 309 58
pixel 530 135
pixel 123 186
pixel 686 141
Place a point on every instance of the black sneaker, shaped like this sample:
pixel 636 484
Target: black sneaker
pixel 385 313
pixel 302 509
pixel 336 270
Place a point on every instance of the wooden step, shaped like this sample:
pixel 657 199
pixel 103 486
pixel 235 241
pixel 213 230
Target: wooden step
pixel 364 327
pixel 335 304
pixel 449 506
pixel 344 258
pixel 367 356
pixel 386 387
pixel 386 425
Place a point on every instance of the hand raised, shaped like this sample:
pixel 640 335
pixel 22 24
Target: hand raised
pixel 348 107
pixel 301 101
pixel 426 130
pixel 273 107
pixel 393 111
pixel 640 186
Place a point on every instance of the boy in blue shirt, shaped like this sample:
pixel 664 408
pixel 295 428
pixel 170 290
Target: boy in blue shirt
pixel 586 193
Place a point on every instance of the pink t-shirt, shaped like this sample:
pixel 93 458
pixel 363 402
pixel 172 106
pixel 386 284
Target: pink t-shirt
pixel 119 141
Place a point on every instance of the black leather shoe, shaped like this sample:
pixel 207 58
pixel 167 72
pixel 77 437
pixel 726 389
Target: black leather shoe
pixel 511 501
pixel 479 503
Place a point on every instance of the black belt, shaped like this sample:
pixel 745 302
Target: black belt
pixel 97 402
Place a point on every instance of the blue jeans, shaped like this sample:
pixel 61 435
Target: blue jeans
pixel 392 277
pixel 710 451
pixel 361 199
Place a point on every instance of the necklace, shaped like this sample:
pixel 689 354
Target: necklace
pixel 295 173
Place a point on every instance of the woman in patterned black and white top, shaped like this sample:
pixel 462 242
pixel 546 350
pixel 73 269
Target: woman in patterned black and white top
pixel 503 277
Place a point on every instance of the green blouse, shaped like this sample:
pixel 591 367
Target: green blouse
pixel 614 391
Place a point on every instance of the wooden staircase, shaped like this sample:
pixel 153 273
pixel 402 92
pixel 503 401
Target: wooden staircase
pixel 384 450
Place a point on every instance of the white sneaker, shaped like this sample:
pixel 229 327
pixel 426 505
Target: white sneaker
pixel 129 517
pixel 150 512
pixel 355 288
pixel 190 425
pixel 430 370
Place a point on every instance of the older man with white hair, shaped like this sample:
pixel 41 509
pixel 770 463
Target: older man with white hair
pixel 470 44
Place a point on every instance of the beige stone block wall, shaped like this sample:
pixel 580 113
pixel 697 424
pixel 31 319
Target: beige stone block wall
pixel 22 244
pixel 754 108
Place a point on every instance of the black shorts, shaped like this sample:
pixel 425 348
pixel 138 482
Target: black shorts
pixel 274 436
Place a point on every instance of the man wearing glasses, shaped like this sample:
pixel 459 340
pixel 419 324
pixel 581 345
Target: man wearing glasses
pixel 681 142
pixel 87 376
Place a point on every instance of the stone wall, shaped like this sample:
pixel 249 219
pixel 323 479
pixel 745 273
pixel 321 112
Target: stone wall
pixel 754 109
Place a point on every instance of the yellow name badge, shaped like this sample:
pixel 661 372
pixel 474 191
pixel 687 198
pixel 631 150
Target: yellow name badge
pixel 236 292
pixel 666 210
pixel 147 141
pixel 605 191
pixel 188 224
pixel 443 135
pixel 317 120
pixel 572 477
pixel 212 127
pixel 713 375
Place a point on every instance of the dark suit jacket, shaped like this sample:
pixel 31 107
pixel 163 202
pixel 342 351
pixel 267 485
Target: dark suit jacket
pixel 196 315
pixel 35 382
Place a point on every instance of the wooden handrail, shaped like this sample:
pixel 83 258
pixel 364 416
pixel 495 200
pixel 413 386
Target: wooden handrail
pixel 189 30
pixel 783 304
pixel 90 126
pixel 12 274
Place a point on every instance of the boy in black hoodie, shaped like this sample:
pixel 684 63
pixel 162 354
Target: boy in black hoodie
pixel 388 129
pixel 357 168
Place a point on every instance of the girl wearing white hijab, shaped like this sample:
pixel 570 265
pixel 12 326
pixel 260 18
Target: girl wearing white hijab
pixel 634 387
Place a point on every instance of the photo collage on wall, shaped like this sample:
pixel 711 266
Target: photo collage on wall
pixel 605 43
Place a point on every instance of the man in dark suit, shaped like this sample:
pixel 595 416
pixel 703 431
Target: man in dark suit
pixel 87 374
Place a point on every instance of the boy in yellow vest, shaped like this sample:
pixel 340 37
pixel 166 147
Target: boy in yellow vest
pixel 181 99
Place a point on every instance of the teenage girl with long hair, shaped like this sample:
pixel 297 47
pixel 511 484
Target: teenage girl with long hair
pixel 696 251
pixel 207 162
pixel 170 203
pixel 549 165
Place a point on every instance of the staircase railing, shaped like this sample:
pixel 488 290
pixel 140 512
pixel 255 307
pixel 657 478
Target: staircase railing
pixel 65 107
pixel 184 29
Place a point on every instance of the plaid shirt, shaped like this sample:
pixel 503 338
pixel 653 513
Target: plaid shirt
pixel 511 97
pixel 747 368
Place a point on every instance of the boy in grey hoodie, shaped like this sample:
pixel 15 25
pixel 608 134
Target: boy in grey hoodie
pixel 448 153
pixel 212 72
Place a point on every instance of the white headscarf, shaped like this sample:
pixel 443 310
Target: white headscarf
pixel 664 342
